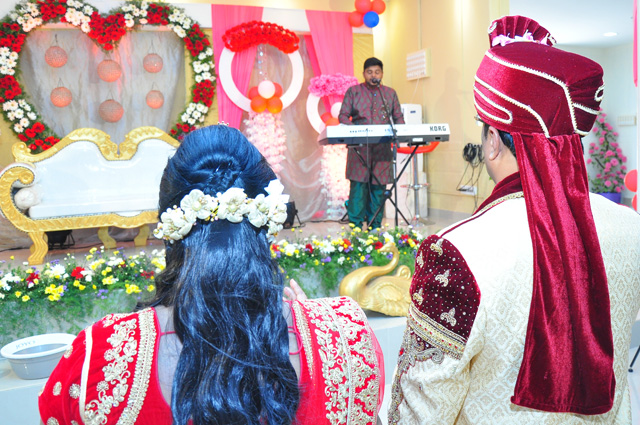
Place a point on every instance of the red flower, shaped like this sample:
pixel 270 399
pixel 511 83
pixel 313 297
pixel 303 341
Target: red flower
pixel 23 137
pixel 33 147
pixel 309 248
pixel 32 276
pixel 45 147
pixel 39 142
pixel 147 275
pixel 38 127
pixel 30 133
pixel 77 273
pixel 377 245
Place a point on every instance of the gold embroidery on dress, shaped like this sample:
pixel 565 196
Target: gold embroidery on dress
pixel 515 195
pixel 74 391
pixel 437 247
pixel 52 421
pixel 449 317
pixel 305 335
pixel 123 351
pixel 413 350
pixel 110 319
pixel 435 334
pixel 417 296
pixel 420 260
pixel 57 388
pixel 348 360
pixel 444 278
pixel 68 352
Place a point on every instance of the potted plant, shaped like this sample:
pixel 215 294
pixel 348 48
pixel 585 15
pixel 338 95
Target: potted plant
pixel 607 161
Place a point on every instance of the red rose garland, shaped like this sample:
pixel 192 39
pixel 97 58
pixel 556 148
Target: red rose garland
pixel 106 32
pixel 249 34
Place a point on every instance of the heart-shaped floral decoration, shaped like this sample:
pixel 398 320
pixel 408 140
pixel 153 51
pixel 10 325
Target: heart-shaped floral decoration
pixel 106 32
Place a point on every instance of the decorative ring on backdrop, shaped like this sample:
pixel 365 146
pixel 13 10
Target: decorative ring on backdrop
pixel 243 102
pixel 312 112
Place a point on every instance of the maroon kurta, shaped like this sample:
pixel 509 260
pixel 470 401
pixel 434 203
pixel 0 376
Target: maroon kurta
pixel 364 106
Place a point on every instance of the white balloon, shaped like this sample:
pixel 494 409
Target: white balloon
pixel 266 89
pixel 335 109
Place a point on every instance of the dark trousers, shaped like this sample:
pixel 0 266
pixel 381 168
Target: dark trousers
pixel 364 200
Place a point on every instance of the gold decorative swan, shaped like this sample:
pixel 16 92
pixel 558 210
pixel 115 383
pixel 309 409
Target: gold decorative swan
pixel 375 289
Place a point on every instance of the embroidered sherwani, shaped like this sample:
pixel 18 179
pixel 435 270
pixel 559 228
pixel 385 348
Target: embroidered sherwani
pixel 364 105
pixel 109 374
pixel 467 323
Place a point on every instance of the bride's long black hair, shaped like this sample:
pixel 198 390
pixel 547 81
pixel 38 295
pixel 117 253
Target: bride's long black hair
pixel 226 293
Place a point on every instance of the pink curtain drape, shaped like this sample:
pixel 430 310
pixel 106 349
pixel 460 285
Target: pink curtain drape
pixel 332 41
pixel 224 17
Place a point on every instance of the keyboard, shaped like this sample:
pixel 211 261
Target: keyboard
pixel 412 134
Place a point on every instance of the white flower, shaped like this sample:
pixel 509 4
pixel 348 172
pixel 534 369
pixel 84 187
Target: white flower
pixel 191 121
pixel 19 113
pixel 11 116
pixel 85 27
pixel 180 32
pixel 25 122
pixel 7 279
pixel 341 260
pixel 231 205
pixel 207 76
pixel 184 117
pixel 88 10
pixel 143 21
pixel 11 105
pixel 198 79
pixel 18 128
pixel 175 224
pixel 196 114
pixel 87 274
pixel 201 108
pixel 200 204
pixel 129 23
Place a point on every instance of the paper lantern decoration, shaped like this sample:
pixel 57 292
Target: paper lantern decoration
pixel 152 63
pixel 111 111
pixel 363 6
pixel 371 19
pixel 155 99
pixel 355 19
pixel 109 70
pixel 55 56
pixel 61 97
pixel 378 6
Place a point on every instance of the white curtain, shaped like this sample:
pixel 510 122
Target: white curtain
pixel 80 76
pixel 301 168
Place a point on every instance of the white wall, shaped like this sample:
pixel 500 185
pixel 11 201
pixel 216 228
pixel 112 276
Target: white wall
pixel 619 95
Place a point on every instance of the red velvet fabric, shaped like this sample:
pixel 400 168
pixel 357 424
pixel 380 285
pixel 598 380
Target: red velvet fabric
pixel 568 354
pixel 507 186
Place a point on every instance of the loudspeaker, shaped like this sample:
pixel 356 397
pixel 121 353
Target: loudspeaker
pixel 292 212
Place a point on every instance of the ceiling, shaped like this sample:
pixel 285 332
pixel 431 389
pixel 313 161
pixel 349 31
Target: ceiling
pixel 581 22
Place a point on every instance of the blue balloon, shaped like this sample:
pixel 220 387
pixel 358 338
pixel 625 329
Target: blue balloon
pixel 371 19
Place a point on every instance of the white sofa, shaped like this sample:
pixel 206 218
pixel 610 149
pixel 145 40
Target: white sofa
pixel 86 181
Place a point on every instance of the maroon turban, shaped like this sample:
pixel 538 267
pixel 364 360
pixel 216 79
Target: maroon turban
pixel 546 99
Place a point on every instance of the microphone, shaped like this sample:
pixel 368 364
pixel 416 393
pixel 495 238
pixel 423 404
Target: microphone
pixel 375 81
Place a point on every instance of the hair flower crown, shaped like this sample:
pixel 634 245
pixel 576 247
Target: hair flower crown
pixel 233 205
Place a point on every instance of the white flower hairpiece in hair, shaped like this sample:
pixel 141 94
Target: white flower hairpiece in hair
pixel 233 205
pixel 503 40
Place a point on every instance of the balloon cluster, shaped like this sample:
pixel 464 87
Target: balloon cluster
pixel 331 118
pixel 367 12
pixel 266 95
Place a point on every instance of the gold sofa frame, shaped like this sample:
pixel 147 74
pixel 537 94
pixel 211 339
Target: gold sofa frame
pixel 36 228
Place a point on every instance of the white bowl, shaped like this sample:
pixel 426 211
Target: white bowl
pixel 35 357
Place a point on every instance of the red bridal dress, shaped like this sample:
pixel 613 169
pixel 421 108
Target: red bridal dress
pixel 109 374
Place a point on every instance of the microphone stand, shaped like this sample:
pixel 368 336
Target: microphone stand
pixel 394 141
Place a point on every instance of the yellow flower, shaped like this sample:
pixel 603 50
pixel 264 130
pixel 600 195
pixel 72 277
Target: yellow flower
pixel 29 271
pixel 81 287
pixel 54 297
pixel 132 289
pixel 316 262
pixel 94 287
pixel 12 258
pixel 25 298
pixel 89 257
pixel 352 225
pixel 106 271
pixel 297 251
pixel 93 250
pixel 132 264
pixel 116 252
pixel 412 243
pixel 362 258
pixel 109 280
pixel 36 281
pixel 18 294
pixel 150 288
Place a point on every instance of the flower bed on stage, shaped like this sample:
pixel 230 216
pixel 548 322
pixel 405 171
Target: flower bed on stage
pixel 69 294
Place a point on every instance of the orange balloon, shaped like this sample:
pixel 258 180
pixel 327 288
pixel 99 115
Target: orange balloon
pixel 332 121
pixel 258 104
pixel 363 6
pixel 325 116
pixel 378 6
pixel 274 105
pixel 278 92
pixel 356 19
pixel 253 92
pixel 631 180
